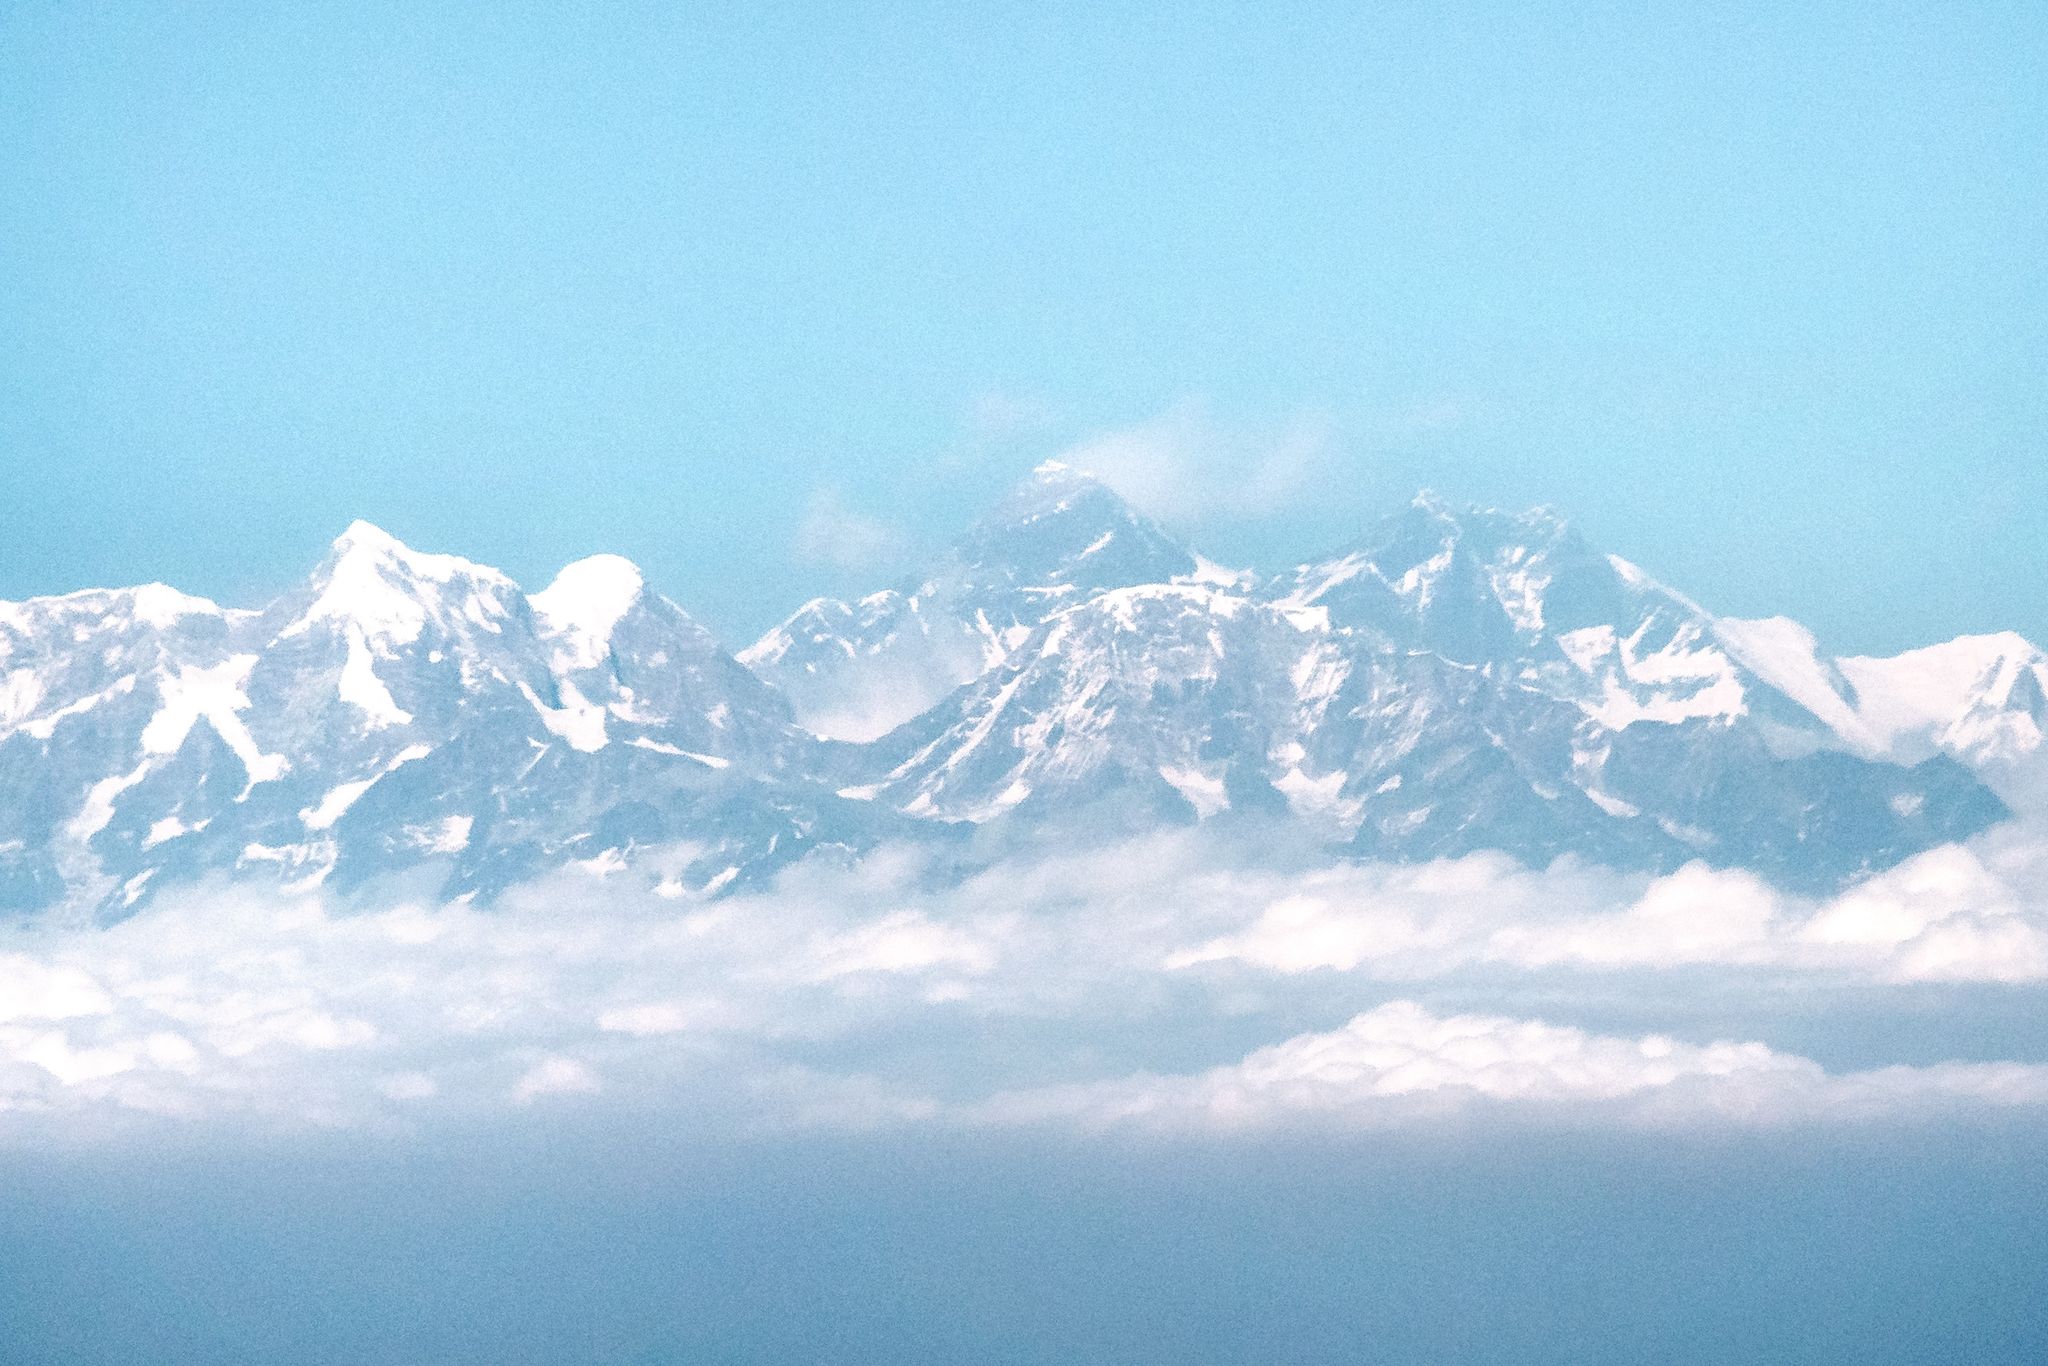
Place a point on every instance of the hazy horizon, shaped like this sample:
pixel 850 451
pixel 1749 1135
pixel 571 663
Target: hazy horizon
pixel 1749 294
pixel 1457 941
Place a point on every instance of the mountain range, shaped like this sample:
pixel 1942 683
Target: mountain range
pixel 1457 679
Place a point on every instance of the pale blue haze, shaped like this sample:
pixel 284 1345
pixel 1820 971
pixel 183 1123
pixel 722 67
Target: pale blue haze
pixel 1755 293
pixel 1461 948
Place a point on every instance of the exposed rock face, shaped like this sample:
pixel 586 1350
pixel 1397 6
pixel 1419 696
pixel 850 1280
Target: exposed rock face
pixel 1459 679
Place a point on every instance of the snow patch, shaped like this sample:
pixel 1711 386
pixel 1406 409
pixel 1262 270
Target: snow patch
pixel 363 690
pixel 1318 796
pixel 43 727
pixel 170 828
pixel 663 747
pixel 1520 594
pixel 390 591
pixel 216 694
pixel 161 606
pixel 584 604
pixel 577 720
pixel 449 835
pixel 21 691
pixel 330 808
pixel 1204 793
pixel 98 809
pixel 1613 806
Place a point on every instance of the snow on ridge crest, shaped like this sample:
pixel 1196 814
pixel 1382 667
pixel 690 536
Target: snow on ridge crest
pixel 152 604
pixel 586 601
pixel 159 605
pixel 1152 679
pixel 390 591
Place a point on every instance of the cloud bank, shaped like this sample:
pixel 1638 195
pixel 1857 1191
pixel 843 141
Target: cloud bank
pixel 1954 914
pixel 1174 982
pixel 1400 1063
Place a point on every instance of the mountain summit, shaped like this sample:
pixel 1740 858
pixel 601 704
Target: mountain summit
pixel 1457 679
pixel 857 670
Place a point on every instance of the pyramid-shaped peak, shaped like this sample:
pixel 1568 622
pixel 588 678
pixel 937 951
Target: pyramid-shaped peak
pixel 1065 525
pixel 376 584
pixel 2026 693
pixel 366 548
pixel 368 537
pixel 1052 481
pixel 1056 478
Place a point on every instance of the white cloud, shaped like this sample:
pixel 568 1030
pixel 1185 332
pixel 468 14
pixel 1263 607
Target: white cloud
pixel 657 1017
pixel 1949 915
pixel 555 1077
pixel 835 535
pixel 1400 1062
pixel 36 991
pixel 1071 985
pixel 900 941
pixel 1188 469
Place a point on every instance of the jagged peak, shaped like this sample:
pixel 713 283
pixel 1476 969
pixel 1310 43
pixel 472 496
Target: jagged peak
pixel 1065 525
pixel 368 546
pixel 159 604
pixel 1055 490
pixel 1050 484
pixel 1432 525
pixel 376 584
pixel 360 535
pixel 1543 517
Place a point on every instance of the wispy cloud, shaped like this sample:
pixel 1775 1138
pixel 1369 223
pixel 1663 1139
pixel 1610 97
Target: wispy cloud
pixel 837 536
pixel 1188 468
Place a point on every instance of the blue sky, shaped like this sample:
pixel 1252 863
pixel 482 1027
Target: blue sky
pixel 1755 294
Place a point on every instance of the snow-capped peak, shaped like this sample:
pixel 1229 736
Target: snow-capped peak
pixel 159 605
pixel 377 583
pixel 360 536
pixel 153 604
pixel 369 547
pixel 1052 487
pixel 583 604
pixel 1059 518
pixel 365 543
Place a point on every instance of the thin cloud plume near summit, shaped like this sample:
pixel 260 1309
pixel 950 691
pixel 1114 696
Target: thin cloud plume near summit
pixel 709 758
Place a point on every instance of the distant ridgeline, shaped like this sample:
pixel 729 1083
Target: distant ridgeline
pixel 1458 680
